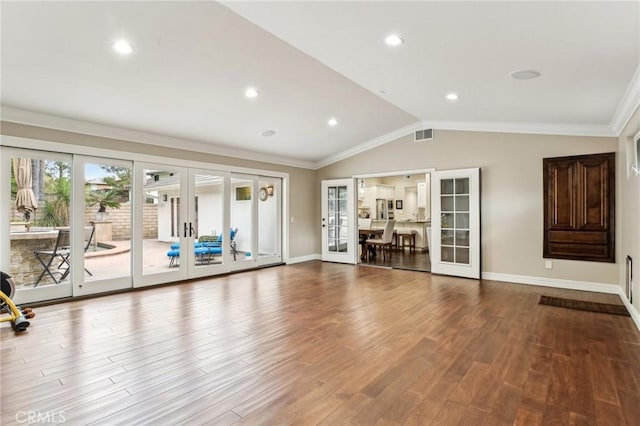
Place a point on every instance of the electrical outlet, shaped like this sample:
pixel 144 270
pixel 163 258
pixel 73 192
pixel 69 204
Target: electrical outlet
pixel 291 219
pixel 548 264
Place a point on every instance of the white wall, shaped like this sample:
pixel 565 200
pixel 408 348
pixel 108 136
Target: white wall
pixel 628 217
pixel 210 203
pixel 164 216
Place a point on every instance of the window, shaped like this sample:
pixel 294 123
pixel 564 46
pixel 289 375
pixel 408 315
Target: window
pixel 243 193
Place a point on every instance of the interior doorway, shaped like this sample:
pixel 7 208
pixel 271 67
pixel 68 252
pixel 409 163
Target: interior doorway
pixel 405 198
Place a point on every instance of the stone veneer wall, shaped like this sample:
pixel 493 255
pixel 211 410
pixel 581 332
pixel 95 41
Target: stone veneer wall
pixel 121 220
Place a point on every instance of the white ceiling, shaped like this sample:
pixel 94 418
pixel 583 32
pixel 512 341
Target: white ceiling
pixel 315 60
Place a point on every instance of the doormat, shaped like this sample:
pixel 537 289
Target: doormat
pixel 603 308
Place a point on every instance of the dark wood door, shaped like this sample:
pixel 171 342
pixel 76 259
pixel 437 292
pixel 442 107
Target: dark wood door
pixel 579 210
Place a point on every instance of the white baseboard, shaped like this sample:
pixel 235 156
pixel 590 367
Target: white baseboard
pixel 553 282
pixel 635 315
pixel 568 284
pixel 306 258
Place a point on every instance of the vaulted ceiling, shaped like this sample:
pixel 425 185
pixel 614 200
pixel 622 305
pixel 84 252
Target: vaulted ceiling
pixel 312 61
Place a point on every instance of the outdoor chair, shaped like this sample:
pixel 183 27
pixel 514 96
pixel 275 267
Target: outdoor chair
pixel 89 232
pixel 204 249
pixel 60 254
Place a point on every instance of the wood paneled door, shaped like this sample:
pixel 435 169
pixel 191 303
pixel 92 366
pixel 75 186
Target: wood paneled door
pixel 579 207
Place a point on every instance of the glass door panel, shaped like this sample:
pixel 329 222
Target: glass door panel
pixel 209 245
pixel 337 221
pixel 36 246
pixel 159 222
pixel 269 220
pixel 243 221
pixel 102 230
pixel 454 226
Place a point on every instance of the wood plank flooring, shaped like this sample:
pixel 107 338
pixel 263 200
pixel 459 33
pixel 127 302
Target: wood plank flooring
pixel 401 259
pixel 322 343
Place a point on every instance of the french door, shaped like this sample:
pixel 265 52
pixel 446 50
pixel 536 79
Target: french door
pixel 28 234
pixel 96 224
pixel 201 222
pixel 338 221
pixel 181 222
pixel 255 205
pixel 455 232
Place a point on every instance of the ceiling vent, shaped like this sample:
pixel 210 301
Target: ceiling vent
pixel 423 135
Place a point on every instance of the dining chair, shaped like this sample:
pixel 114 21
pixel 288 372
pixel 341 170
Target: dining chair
pixel 385 241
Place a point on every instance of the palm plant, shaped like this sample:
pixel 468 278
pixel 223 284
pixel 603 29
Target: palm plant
pixel 104 199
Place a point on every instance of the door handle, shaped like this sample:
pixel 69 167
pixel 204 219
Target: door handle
pixel 191 230
pixel 185 229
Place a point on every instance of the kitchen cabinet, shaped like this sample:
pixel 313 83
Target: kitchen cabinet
pixel 386 192
pixel 422 194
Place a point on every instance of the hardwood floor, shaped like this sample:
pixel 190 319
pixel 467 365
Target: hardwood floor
pixel 401 259
pixel 322 343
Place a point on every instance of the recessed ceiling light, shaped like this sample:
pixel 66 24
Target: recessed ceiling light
pixel 251 92
pixel 525 74
pixel 394 40
pixel 122 46
pixel 452 96
pixel 332 122
pixel 268 133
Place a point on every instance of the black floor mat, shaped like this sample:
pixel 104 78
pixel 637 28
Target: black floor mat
pixel 604 308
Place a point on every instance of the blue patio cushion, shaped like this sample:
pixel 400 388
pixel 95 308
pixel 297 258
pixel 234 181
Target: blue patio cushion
pixel 176 246
pixel 201 251
pixel 215 250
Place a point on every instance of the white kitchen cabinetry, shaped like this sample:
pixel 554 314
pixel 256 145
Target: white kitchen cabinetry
pixel 386 192
pixel 422 194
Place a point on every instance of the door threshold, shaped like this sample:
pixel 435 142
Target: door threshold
pixel 401 268
pixel 375 266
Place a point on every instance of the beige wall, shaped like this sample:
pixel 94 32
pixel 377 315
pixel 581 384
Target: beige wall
pixel 629 215
pixel 511 190
pixel 303 199
pixel 512 211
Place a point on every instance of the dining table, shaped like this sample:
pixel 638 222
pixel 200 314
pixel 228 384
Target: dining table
pixel 366 233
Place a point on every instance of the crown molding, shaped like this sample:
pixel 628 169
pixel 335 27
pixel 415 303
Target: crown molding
pixel 38 119
pixel 628 104
pixel 523 128
pixel 468 126
pixel 370 144
pixel 33 118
